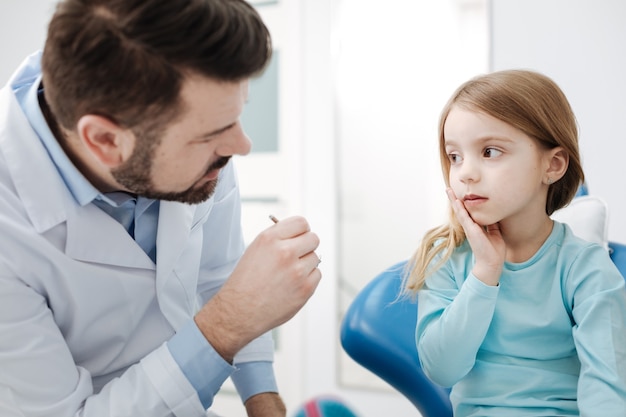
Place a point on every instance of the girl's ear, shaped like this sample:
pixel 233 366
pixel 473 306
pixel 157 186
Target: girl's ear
pixel 557 163
pixel 108 143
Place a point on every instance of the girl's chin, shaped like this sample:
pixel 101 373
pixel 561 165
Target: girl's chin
pixel 483 221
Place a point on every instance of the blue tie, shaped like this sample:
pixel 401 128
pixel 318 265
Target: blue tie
pixel 145 225
pixel 138 216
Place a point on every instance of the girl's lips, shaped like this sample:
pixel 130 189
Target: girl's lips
pixel 473 200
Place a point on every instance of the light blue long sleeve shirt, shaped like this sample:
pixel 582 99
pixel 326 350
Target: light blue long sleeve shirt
pixel 188 346
pixel 549 340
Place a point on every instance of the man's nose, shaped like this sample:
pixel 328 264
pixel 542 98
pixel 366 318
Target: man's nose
pixel 237 143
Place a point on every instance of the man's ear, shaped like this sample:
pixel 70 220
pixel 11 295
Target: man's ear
pixel 558 161
pixel 110 144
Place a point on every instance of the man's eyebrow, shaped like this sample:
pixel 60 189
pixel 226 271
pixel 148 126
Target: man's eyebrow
pixel 216 132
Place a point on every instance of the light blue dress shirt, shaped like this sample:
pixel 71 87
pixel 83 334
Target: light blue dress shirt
pixel 139 216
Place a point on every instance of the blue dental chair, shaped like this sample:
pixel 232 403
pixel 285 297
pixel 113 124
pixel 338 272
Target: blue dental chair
pixel 378 332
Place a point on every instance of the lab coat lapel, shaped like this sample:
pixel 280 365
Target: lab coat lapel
pixel 176 281
pixel 94 236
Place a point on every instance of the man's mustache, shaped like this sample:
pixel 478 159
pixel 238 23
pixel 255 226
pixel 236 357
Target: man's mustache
pixel 219 164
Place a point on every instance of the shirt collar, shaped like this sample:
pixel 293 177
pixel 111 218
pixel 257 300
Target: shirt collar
pixel 82 190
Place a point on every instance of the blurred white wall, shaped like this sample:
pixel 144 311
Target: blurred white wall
pixel 23 26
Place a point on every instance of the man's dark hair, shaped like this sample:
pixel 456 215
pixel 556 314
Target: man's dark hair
pixel 126 59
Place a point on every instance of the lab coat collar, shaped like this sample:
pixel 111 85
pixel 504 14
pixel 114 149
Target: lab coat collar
pixel 34 175
pixel 49 203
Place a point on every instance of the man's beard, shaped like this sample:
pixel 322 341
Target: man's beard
pixel 135 175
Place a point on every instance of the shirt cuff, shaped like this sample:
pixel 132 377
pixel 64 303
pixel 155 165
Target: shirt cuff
pixel 253 378
pixel 205 369
pixel 480 288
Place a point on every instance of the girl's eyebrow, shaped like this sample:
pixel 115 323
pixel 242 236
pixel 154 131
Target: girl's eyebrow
pixel 482 140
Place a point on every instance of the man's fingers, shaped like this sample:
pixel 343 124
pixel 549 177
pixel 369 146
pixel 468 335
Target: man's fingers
pixel 290 226
pixel 296 229
pixel 312 259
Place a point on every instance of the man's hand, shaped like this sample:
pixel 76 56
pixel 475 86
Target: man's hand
pixel 272 281
pixel 267 404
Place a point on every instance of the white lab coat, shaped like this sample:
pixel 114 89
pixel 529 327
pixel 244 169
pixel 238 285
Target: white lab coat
pixel 84 312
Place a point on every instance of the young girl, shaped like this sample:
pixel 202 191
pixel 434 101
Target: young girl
pixel 517 314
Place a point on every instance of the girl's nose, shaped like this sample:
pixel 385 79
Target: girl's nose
pixel 468 171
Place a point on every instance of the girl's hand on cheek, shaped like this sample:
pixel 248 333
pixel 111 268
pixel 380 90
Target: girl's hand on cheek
pixel 486 243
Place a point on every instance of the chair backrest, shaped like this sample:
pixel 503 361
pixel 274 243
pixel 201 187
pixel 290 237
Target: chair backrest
pixel 378 332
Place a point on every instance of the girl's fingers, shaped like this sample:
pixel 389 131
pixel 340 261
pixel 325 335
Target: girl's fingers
pixel 459 209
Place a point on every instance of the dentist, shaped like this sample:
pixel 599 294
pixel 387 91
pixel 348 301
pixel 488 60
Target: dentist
pixel 125 286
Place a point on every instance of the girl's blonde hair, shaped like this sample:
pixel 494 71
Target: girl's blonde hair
pixel 528 101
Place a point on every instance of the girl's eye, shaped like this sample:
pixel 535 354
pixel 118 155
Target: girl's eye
pixel 492 152
pixel 454 158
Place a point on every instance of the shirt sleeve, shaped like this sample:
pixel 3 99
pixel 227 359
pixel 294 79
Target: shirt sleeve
pixel 253 378
pixel 452 324
pixel 205 369
pixel 222 246
pixel 598 303
pixel 195 356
